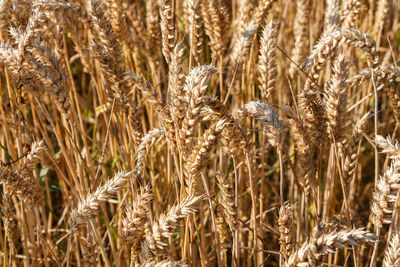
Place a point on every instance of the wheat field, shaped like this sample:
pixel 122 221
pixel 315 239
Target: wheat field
pixel 199 133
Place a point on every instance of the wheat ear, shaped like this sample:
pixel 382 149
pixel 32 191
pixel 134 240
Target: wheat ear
pixel 301 26
pixel 136 217
pixel 167 224
pixel 176 82
pixel 167 28
pixel 311 251
pixel 90 252
pixel 273 127
pixel 350 13
pixel 89 206
pixel 216 21
pixel 285 227
pixel 336 101
pixel 20 181
pixel 350 158
pixel 385 195
pixel 333 39
pixel 152 137
pixel 228 200
pixel 267 61
pixel 392 252
pixel 331 16
pixel 195 88
pixel 234 138
pixel 196 30
pixel 304 148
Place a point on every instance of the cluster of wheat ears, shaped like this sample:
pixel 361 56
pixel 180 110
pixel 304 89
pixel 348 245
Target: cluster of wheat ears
pixel 199 133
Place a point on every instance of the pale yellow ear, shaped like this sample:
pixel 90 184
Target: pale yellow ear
pixel 199 133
